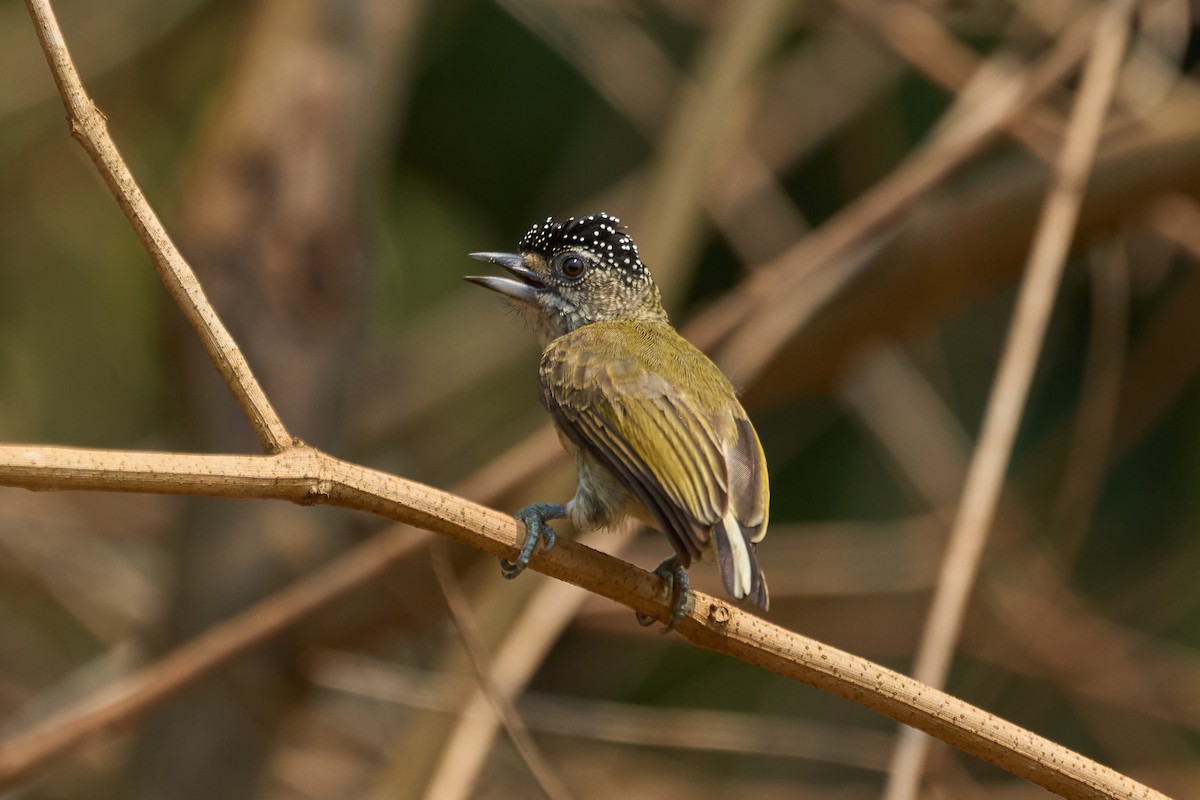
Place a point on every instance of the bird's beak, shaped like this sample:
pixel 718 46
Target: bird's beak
pixel 525 288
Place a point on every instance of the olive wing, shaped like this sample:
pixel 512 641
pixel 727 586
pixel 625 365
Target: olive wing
pixel 693 462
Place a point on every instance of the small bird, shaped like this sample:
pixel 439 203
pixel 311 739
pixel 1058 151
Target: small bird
pixel 655 428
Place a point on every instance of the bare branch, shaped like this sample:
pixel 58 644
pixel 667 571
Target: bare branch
pixel 90 129
pixel 305 475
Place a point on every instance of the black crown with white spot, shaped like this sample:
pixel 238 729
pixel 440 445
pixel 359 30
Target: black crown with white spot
pixel 599 234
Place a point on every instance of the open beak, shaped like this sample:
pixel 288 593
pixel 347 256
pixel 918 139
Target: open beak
pixel 525 288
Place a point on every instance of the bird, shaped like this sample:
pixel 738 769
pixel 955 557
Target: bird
pixel 655 428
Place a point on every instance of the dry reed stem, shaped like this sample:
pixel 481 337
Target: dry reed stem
pixel 90 129
pixel 985 475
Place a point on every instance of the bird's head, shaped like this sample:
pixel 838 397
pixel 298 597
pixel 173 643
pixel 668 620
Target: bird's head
pixel 575 272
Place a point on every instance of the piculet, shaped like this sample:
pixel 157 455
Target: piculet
pixel 655 428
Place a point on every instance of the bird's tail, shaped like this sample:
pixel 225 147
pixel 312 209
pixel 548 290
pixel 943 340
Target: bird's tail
pixel 739 567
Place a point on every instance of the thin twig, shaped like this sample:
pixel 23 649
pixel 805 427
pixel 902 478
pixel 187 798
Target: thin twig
pixel 506 713
pixel 305 475
pixel 90 129
pixel 985 476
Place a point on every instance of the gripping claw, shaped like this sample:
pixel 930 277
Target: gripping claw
pixel 536 530
pixel 678 586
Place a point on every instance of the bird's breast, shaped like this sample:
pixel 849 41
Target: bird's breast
pixel 601 500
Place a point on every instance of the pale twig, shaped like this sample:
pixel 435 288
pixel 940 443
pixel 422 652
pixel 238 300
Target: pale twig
pixel 497 698
pixel 90 129
pixel 306 476
pixel 1035 300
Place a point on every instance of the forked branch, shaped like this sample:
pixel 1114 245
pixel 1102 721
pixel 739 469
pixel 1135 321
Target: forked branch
pixel 304 475
pixel 90 129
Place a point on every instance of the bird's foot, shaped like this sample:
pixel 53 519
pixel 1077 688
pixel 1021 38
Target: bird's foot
pixel 536 530
pixel 678 586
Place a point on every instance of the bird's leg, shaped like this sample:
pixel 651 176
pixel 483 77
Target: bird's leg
pixel 536 529
pixel 678 586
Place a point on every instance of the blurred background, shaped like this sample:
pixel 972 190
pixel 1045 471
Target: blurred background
pixel 819 191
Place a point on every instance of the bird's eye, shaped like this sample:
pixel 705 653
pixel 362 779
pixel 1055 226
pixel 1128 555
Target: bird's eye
pixel 571 266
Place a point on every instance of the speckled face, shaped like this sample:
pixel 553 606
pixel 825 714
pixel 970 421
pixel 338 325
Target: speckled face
pixel 592 273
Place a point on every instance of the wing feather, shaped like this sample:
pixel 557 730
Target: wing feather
pixel 683 448
pixel 612 450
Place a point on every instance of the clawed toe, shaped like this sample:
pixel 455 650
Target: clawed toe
pixel 679 589
pixel 536 530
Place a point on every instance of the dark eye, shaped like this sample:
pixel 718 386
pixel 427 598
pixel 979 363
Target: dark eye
pixel 571 266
